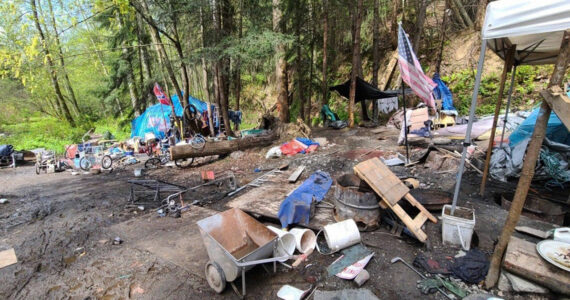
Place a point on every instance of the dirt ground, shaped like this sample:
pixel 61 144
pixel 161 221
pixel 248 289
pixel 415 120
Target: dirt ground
pixel 62 227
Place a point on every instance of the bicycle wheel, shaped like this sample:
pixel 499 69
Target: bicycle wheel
pixel 38 168
pixel 184 162
pixel 106 162
pixel 152 163
pixel 85 164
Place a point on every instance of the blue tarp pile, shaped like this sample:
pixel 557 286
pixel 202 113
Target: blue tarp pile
pixel 443 93
pixel 296 208
pixel 555 130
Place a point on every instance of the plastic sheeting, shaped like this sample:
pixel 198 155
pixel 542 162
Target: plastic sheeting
pixel 443 93
pixel 6 150
pixel 296 208
pixel 555 130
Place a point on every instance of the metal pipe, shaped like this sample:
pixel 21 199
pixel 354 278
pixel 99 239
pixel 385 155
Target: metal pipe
pixel 405 123
pixel 508 105
pixel 467 141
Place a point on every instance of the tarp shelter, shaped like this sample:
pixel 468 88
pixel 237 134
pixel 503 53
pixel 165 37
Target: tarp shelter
pixel 365 91
pixel 156 118
pixel 535 28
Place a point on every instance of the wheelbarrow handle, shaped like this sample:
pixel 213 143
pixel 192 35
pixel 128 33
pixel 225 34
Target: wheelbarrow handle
pixel 263 261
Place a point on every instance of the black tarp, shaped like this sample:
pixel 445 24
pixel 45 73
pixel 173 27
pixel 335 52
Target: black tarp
pixel 365 91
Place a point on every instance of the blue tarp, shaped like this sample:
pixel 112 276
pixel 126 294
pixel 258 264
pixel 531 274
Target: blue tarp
pixel 442 92
pixel 555 131
pixel 153 119
pixel 296 208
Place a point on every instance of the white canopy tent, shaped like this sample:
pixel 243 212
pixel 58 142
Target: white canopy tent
pixel 536 28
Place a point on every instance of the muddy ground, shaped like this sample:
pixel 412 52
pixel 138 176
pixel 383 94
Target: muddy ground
pixel 62 227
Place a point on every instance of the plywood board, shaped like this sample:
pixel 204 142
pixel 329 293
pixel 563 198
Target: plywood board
pixel 381 180
pixel 266 199
pixel 293 178
pixel 7 258
pixel 523 260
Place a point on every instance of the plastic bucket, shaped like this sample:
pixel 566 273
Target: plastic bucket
pixel 285 243
pixel 305 239
pixel 455 229
pixel 341 235
pixel 138 172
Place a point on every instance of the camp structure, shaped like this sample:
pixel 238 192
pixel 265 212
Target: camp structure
pixel 523 32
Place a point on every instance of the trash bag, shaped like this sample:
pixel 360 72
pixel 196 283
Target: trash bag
pixel 274 152
pixel 471 268
pixel 6 150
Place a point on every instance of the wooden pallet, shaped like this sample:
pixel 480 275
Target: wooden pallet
pixel 391 189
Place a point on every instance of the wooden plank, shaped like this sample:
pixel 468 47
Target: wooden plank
pixel 559 102
pixel 266 199
pixel 293 178
pixel 382 180
pixel 7 258
pixel 532 231
pixel 522 259
pixel 419 206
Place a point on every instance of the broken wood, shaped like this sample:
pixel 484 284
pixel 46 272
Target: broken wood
pixel 559 102
pixel 391 190
pixel 532 231
pixel 293 178
pixel 522 259
pixel 7 258
pixel 222 147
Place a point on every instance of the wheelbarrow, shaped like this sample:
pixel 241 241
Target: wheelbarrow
pixel 235 243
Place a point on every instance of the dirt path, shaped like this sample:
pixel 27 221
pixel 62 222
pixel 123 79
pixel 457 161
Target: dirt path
pixel 62 227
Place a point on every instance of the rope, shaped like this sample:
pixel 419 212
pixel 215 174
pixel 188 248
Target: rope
pixel 553 168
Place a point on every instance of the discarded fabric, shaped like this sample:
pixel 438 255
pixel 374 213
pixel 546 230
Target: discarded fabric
pixel 299 145
pixel 471 268
pixel 349 257
pixel 354 270
pixel 296 207
pixel 442 92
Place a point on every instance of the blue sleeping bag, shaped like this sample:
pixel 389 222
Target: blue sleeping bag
pixel 296 208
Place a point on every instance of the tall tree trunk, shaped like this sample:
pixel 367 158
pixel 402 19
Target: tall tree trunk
pixel 463 12
pixel 62 106
pixel 179 51
pixel 480 18
pixel 355 62
pixel 308 106
pixel 224 24
pixel 67 82
pixel 299 61
pixel 237 71
pixel 205 75
pixel 130 78
pixel 324 84
pixel 456 13
pixel 162 55
pixel 394 23
pixel 146 72
pixel 281 66
pixel 421 17
pixel 375 43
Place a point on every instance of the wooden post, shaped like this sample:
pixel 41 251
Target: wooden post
pixel 509 60
pixel 529 164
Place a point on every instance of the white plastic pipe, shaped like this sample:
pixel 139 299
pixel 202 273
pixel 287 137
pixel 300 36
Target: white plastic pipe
pixel 305 239
pixel 285 244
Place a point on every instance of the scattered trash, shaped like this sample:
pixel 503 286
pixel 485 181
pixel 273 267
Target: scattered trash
pixel 295 175
pixel 207 175
pixel 298 145
pixel 256 182
pixel 412 183
pixel 356 294
pixel 140 207
pixel 457 229
pixel 349 257
pixel 305 239
pixel 3 200
pixel 288 292
pixel 117 241
pixel 285 243
pixel 398 160
pixel 7 258
pixel 352 271
pixel 354 199
pixel 397 259
pixel 362 277
pixel 341 235
pixel 471 268
pixel 274 152
pixel 138 172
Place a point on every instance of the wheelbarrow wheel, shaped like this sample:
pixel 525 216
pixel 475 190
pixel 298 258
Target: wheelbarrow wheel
pixel 215 277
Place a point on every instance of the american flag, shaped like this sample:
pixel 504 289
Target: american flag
pixel 411 70
pixel 162 98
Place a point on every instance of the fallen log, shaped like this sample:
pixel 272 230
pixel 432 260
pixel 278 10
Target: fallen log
pixel 222 147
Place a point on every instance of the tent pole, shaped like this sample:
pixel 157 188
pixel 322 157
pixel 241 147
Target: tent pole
pixel 533 150
pixel 405 124
pixel 508 105
pixel 509 56
pixel 467 141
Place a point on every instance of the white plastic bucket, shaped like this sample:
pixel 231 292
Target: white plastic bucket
pixel 285 244
pixel 456 230
pixel 138 172
pixel 305 239
pixel 341 235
